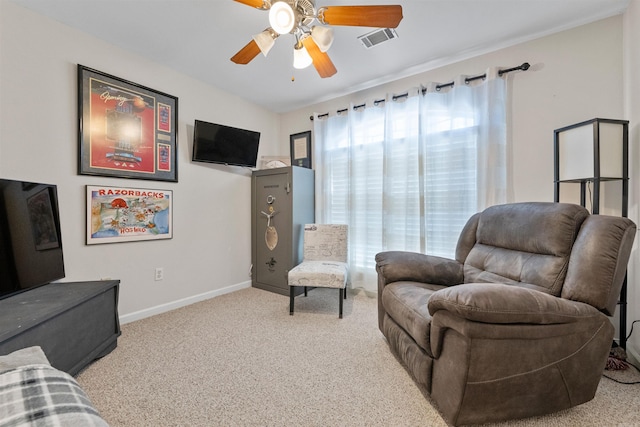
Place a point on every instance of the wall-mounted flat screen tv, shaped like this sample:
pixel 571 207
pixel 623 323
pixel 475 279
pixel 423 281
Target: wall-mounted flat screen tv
pixel 215 143
pixel 30 238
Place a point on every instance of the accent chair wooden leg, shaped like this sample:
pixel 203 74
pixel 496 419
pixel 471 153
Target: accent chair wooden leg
pixel 292 293
pixel 342 292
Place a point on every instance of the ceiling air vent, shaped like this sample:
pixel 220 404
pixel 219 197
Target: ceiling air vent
pixel 378 36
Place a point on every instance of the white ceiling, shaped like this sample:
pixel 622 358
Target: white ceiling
pixel 197 38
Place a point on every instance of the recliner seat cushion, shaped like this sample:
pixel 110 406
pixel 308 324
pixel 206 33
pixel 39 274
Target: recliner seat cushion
pixel 406 304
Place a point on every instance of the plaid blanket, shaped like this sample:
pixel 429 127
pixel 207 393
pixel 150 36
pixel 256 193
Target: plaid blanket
pixel 42 396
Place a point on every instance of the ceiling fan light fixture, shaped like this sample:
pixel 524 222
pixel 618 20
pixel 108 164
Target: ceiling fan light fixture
pixel 265 40
pixel 323 36
pixel 282 17
pixel 312 42
pixel 301 58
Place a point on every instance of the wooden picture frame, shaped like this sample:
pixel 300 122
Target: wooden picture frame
pixel 301 149
pixel 117 214
pixel 126 130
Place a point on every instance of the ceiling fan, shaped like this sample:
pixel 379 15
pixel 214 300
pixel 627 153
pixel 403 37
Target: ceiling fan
pixel 312 41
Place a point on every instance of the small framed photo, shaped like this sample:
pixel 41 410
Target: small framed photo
pixel 126 130
pixel 301 149
pixel 116 214
pixel 43 224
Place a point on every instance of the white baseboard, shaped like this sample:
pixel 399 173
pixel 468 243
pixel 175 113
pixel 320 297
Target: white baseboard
pixel 162 308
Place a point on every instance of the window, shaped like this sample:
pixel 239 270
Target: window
pixel 405 176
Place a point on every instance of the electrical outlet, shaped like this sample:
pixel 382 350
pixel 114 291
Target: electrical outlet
pixel 159 273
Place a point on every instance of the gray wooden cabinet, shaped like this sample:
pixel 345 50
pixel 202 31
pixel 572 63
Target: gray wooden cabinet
pixel 282 202
pixel 74 322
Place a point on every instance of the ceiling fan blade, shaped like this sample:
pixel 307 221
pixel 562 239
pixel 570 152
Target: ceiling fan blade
pixel 247 53
pixel 259 4
pixel 321 60
pixel 362 16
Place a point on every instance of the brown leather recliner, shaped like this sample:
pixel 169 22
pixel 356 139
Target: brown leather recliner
pixel 516 325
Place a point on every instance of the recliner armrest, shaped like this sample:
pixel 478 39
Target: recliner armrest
pixel 394 266
pixel 497 312
pixel 507 304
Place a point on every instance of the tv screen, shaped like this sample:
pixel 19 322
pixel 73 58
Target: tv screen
pixel 30 239
pixel 214 143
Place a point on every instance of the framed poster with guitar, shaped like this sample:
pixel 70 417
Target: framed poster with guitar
pixel 126 130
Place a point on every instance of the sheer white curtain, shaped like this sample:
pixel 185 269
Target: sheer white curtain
pixel 407 174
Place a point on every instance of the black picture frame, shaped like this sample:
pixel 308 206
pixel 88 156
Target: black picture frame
pixel 43 224
pixel 301 149
pixel 126 130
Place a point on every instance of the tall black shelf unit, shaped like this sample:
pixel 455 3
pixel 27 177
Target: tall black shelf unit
pixel 599 139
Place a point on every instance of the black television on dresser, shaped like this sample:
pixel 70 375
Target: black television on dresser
pixel 216 143
pixel 30 237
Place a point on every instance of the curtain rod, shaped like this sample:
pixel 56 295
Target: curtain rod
pixel 524 67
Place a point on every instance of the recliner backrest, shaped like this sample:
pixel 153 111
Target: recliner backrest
pixel 526 244
pixel 557 248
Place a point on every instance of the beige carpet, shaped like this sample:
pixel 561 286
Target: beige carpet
pixel 241 360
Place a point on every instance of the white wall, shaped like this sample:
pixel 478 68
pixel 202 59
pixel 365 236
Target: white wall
pixel 575 75
pixel 632 113
pixel 211 249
